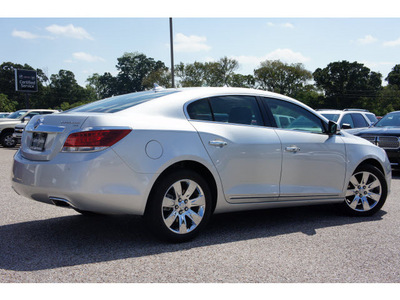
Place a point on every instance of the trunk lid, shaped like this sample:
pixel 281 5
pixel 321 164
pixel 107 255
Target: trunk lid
pixel 44 135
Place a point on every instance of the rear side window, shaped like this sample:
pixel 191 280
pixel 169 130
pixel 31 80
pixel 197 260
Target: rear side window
pixel 359 121
pixel 118 103
pixel 227 109
pixel 372 118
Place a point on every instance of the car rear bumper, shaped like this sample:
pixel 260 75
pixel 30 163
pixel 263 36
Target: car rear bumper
pixel 99 182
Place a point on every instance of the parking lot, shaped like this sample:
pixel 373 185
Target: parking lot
pixel 44 243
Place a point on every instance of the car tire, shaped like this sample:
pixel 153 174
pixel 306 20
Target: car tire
pixel 179 206
pixel 366 192
pixel 7 140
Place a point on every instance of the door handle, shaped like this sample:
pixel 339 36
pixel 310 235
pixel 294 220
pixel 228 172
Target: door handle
pixel 217 143
pixel 292 149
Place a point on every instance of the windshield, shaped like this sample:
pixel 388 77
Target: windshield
pixel 331 117
pixel 392 119
pixel 16 115
pixel 118 103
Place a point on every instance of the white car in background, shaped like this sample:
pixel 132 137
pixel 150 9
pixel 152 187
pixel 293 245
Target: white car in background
pixel 8 124
pixel 350 118
pixel 176 156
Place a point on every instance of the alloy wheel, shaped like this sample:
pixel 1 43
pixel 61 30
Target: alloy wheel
pixel 183 206
pixel 364 191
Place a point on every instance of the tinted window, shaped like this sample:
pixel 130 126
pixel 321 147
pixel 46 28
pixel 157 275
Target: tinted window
pixel 227 109
pixel 372 118
pixel 392 119
pixel 299 118
pixel 118 103
pixel 347 119
pixel 359 120
pixel 236 109
pixel 200 110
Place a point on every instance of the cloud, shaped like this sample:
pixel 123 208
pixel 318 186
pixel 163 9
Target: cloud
pixel 192 43
pixel 368 39
pixel 69 31
pixel 283 25
pixel 249 63
pixel 24 35
pixel 392 43
pixel 87 57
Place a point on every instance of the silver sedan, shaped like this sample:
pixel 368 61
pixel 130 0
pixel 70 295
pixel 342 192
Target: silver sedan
pixel 176 156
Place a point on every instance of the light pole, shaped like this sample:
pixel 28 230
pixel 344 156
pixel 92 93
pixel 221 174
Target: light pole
pixel 172 51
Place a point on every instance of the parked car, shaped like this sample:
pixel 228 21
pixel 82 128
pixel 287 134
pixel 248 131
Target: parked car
pixel 385 134
pixel 8 124
pixel 350 118
pixel 164 155
pixel 4 115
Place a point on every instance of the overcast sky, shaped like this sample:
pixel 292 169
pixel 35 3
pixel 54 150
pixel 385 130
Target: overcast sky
pixel 91 43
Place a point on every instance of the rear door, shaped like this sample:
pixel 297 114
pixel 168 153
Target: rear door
pixel 246 154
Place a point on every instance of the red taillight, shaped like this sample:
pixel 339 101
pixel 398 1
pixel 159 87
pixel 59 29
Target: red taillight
pixel 94 140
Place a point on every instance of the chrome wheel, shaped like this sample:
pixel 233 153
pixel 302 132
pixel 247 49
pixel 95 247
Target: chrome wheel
pixel 183 206
pixel 364 191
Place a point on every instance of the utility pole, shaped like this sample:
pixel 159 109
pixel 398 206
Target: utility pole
pixel 172 51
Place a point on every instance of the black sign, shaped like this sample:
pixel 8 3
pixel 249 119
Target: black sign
pixel 26 81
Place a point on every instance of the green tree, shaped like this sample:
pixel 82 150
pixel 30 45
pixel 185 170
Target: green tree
pixel 283 78
pixel 65 89
pixel 239 80
pixel 393 77
pixel 220 73
pixel 7 105
pixel 133 69
pixel 190 75
pixel 347 84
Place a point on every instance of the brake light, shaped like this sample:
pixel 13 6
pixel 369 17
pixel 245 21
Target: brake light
pixel 94 140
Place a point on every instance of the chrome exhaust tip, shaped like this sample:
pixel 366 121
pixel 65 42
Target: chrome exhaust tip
pixel 60 202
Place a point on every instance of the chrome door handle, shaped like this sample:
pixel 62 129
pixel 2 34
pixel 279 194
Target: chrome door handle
pixel 217 143
pixel 292 149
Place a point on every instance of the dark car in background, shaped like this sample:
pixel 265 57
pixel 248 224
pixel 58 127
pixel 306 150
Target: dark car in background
pixel 385 134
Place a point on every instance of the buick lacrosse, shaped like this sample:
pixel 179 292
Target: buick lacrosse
pixel 176 156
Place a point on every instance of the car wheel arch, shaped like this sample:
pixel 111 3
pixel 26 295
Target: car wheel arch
pixel 193 166
pixel 372 162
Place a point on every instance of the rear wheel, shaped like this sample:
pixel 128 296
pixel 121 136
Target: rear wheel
pixel 179 206
pixel 7 140
pixel 366 191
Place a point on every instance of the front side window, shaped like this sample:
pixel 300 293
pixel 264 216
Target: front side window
pixel 347 119
pixel 294 116
pixel 227 109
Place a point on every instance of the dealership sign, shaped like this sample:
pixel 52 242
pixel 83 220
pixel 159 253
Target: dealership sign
pixel 26 81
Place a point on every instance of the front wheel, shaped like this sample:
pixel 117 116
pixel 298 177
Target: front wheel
pixel 366 191
pixel 179 206
pixel 8 141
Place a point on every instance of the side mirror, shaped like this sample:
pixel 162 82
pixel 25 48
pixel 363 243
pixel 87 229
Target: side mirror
pixel 333 128
pixel 346 126
pixel 26 119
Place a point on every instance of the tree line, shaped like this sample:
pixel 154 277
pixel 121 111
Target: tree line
pixel 339 85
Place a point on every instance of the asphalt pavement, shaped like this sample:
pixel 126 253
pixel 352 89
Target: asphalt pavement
pixel 40 243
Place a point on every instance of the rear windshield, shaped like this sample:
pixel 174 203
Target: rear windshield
pixel 118 103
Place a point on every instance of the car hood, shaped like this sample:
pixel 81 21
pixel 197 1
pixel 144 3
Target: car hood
pixel 10 122
pixel 389 131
